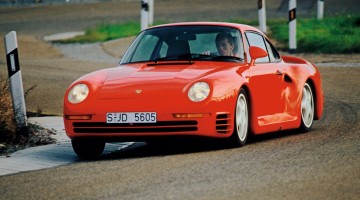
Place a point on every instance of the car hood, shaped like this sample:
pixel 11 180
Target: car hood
pixel 162 80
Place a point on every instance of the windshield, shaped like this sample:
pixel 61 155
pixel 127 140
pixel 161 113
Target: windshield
pixel 214 43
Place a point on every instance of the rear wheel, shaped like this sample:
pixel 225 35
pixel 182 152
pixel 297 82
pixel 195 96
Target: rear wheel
pixel 240 134
pixel 88 149
pixel 307 108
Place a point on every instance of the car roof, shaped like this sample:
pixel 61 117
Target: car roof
pixel 242 27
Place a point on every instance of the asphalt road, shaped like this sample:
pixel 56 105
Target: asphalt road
pixel 321 164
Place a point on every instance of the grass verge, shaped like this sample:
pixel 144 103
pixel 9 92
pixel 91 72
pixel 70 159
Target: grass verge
pixel 331 35
pixel 105 32
pixel 338 34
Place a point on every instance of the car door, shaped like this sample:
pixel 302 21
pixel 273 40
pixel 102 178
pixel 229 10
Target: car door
pixel 289 92
pixel 265 84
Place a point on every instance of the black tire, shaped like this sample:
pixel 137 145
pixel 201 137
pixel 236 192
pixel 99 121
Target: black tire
pixel 307 108
pixel 241 120
pixel 88 149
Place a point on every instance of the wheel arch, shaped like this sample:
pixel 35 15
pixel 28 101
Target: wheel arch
pixel 318 99
pixel 250 106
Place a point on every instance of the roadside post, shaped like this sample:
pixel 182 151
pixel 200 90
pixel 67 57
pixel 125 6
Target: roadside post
pixel 320 9
pixel 144 14
pixel 16 85
pixel 292 26
pixel 151 12
pixel 262 15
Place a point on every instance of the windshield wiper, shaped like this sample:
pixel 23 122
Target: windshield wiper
pixel 187 56
pixel 221 58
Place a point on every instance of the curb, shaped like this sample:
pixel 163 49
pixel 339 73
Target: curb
pixel 47 156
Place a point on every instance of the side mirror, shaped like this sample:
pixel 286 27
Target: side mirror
pixel 255 53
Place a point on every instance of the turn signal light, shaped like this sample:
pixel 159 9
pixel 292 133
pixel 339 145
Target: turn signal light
pixel 190 115
pixel 78 117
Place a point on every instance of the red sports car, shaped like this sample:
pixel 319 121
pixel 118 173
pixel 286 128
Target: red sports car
pixel 218 80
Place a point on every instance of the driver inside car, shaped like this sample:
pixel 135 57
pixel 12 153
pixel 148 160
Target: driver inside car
pixel 225 45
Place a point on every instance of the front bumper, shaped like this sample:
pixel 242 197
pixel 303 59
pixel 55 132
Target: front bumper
pixel 218 125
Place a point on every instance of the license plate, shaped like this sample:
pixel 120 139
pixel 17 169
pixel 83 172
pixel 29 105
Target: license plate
pixel 131 117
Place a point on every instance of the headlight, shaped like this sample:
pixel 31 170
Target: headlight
pixel 199 91
pixel 78 93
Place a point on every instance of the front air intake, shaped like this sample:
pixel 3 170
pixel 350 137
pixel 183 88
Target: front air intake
pixel 161 126
pixel 223 123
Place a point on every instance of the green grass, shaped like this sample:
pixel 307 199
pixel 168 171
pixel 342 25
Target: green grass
pixel 331 35
pixel 339 34
pixel 105 32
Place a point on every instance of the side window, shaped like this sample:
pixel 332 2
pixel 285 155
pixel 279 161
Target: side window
pixel 273 53
pixel 257 40
pixel 145 48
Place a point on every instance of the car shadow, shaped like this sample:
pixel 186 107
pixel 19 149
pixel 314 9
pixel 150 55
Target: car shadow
pixel 188 145
pixel 165 148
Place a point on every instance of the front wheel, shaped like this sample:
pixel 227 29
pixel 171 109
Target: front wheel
pixel 88 149
pixel 241 122
pixel 307 108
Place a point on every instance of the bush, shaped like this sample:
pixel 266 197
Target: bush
pixel 11 138
pixel 7 120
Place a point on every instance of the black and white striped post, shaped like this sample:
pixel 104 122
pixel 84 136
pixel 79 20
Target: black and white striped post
pixel 144 14
pixel 320 9
pixel 16 85
pixel 262 15
pixel 292 26
pixel 151 12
